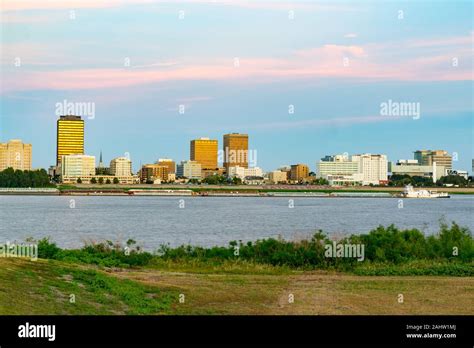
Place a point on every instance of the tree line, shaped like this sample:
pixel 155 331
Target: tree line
pixel 24 178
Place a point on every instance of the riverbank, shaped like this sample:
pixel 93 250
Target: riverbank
pixel 401 272
pixel 226 191
pixel 49 287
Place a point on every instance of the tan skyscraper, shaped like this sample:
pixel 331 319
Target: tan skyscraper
pixel 70 136
pixel 204 151
pixel 15 154
pixel 440 157
pixel 236 147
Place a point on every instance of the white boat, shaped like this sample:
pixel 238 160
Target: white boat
pixel 409 192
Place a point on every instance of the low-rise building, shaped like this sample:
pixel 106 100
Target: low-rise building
pixel 211 172
pixel 154 172
pixel 75 167
pixel 299 172
pixel 414 168
pixel 169 163
pixel 241 172
pixel 278 177
pixel 121 166
pixel 355 179
pixel 189 170
pixel 254 180
pixel 336 165
pixel 462 173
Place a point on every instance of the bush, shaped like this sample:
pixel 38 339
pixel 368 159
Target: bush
pixel 388 250
pixel 104 254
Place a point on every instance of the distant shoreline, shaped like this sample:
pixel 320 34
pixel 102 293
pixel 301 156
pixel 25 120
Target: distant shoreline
pixel 311 191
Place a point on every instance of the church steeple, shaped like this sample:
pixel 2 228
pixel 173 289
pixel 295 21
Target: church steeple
pixel 101 165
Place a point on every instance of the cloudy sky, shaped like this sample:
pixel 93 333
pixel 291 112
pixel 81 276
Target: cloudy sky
pixel 240 66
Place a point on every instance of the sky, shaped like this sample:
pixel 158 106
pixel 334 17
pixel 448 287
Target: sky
pixel 304 79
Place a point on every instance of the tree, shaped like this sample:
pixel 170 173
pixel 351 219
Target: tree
pixel 108 181
pixel 236 180
pixel 93 181
pixel 453 180
pixel 116 181
pixel 101 180
pixel 79 181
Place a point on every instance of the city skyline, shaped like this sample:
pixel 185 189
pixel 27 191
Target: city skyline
pixel 299 94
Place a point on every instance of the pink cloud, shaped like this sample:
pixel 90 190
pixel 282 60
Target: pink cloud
pixel 367 63
pixel 21 5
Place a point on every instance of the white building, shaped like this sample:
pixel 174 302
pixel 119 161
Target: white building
pixel 413 168
pixel 462 173
pixel 355 179
pixel 336 165
pixel 189 169
pixel 121 166
pixel 364 169
pixel 373 167
pixel 241 172
pixel 77 166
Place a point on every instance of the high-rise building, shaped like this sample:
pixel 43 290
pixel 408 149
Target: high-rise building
pixel 189 169
pixel 121 166
pixel 440 157
pixel 236 148
pixel 169 163
pixel 15 154
pixel 204 151
pixel 373 168
pixel 299 172
pixel 77 166
pixel 70 137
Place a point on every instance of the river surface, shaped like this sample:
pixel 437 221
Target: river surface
pixel 207 221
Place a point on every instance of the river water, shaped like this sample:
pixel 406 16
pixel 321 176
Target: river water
pixel 208 221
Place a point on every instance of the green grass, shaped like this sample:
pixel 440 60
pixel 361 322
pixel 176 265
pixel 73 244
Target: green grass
pixel 45 287
pixel 416 268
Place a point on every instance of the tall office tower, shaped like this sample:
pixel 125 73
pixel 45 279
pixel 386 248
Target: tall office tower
pixel 70 137
pixel 236 148
pixel 15 154
pixel 204 152
pixel 440 157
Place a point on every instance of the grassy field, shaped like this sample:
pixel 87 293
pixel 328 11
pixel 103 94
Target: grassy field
pixel 46 286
